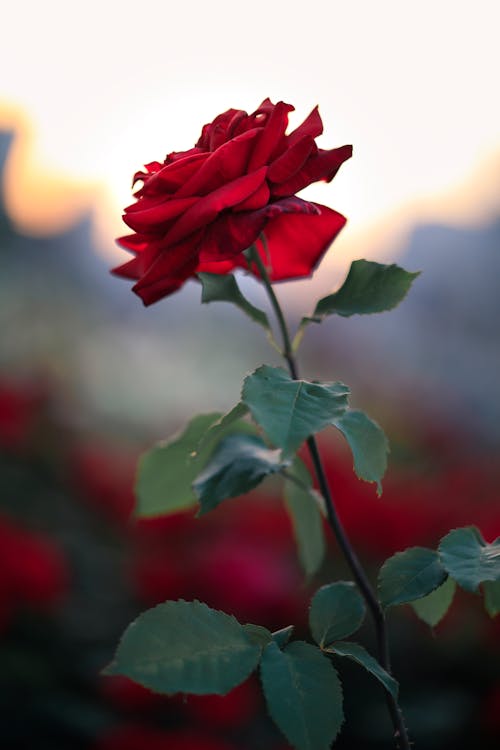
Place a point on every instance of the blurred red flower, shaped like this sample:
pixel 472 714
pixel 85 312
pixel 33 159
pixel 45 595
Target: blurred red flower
pixel 20 409
pixel 129 696
pixel 201 208
pixel 229 711
pixel 104 476
pixel 142 737
pixel 242 561
pixel 416 508
pixel 33 570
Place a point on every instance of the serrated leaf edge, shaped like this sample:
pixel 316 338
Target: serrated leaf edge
pixel 398 554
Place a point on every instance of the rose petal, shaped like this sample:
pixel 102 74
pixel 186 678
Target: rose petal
pixel 141 263
pixel 150 168
pixel 214 133
pixel 128 270
pixel 297 242
pixel 291 160
pixel 172 175
pixel 224 165
pixel 312 126
pixel 219 266
pixel 172 267
pixel 178 155
pixel 132 242
pixel 266 107
pixel 271 136
pixel 257 200
pixel 148 201
pixel 233 233
pixel 323 166
pixel 209 207
pixel 162 286
pixel 154 219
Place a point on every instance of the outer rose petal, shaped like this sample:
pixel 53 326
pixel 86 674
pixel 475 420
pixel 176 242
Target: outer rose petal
pixel 271 136
pixel 224 165
pixel 297 242
pixel 312 126
pixel 210 206
pixel 162 286
pixel 155 218
pixel 259 199
pixel 135 243
pixel 323 166
pixel 216 132
pixel 150 168
pixel 221 266
pixel 291 160
pixel 169 271
pixel 128 270
pixel 233 233
pixel 172 175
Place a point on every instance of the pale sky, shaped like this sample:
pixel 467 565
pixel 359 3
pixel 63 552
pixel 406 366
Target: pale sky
pixel 104 86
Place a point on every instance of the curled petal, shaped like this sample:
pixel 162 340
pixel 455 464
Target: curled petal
pixel 271 136
pixel 172 175
pixel 128 270
pixel 151 290
pixel 135 243
pixel 217 266
pixel 177 155
pixel 142 262
pixel 169 271
pixel 206 209
pixel 150 168
pixel 322 166
pixel 257 200
pixel 154 219
pixel 297 242
pixel 312 126
pixel 266 107
pixel 215 133
pixel 233 233
pixel 224 165
pixel 291 160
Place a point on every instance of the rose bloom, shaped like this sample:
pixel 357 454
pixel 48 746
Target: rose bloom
pixel 200 209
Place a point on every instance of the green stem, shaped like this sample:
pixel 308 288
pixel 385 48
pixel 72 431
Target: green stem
pixel 352 559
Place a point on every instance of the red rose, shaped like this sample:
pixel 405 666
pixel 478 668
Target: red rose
pixel 201 208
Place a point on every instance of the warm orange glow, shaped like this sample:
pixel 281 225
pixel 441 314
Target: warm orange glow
pixel 39 198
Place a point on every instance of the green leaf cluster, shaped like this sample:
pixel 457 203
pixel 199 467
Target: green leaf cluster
pixel 220 456
pixel 166 473
pixel 337 611
pixel 290 411
pixel 238 465
pixel 187 647
pixel 427 579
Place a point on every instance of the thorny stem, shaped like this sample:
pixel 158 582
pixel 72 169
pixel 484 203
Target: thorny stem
pixel 366 589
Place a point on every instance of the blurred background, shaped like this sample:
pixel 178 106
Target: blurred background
pixel 89 378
